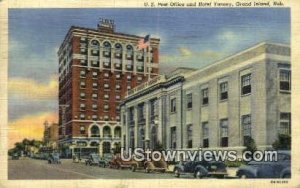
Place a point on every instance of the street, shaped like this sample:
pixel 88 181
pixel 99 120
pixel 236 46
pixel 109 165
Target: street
pixel 39 169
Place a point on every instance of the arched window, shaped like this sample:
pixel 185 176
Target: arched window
pixel 107 45
pixel 107 49
pixel 95 132
pixel 106 132
pixel 95 43
pixel 117 132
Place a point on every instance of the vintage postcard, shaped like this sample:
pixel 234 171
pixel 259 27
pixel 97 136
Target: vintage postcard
pixel 150 93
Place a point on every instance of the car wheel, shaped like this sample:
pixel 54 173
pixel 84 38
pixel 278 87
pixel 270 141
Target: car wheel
pixel 176 173
pixel 243 176
pixel 198 174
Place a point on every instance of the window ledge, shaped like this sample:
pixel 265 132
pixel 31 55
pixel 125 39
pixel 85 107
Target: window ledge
pixel 245 95
pixel 204 105
pixel 223 100
pixel 285 91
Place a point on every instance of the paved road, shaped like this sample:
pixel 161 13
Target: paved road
pixel 40 169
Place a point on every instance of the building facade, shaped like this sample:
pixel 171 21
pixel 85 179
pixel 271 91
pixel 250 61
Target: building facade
pixel 222 106
pixel 51 135
pixel 96 68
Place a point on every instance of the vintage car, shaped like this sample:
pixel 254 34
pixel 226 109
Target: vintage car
pixel 267 169
pixel 153 165
pixel 118 162
pixel 54 158
pixel 93 159
pixel 200 169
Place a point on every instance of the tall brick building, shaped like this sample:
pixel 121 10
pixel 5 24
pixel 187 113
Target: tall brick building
pixel 96 69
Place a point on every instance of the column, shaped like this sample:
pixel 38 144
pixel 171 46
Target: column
pixel 112 57
pixel 135 126
pixel 123 59
pixel 147 118
pixel 100 58
pixel 159 112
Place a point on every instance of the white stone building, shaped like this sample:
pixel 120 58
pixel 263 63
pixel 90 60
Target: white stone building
pixel 219 106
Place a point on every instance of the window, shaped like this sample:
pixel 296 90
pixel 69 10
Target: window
pixel 94 106
pixel 106 62
pixel 83 62
pixel 106 118
pixel 246 84
pixel 128 77
pixel 94 117
pixel 189 101
pixel 106 107
pixel 95 52
pixel 118 87
pixel 128 87
pixel 224 91
pixel 205 96
pixel 95 74
pixel 285 123
pixel 95 132
pixel 285 80
pixel 95 86
pixel 118 76
pixel 106 86
pixel 106 75
pixel 140 78
pixel 190 136
pixel 106 96
pixel 82 129
pixel 224 132
pixel 173 105
pixel 95 63
pixel 94 96
pixel 173 138
pixel 246 126
pixel 82 116
pixel 82 95
pixel 82 107
pixel 118 97
pixel 82 84
pixel 205 135
pixel 82 74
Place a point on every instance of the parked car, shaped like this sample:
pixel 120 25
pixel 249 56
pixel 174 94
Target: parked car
pixel 15 156
pixel 200 169
pixel 270 169
pixel 54 158
pixel 93 159
pixel 117 162
pixel 152 165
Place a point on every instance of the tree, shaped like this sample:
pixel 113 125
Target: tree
pixel 250 146
pixel 283 142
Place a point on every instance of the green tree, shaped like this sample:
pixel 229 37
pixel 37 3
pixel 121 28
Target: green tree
pixel 283 142
pixel 250 145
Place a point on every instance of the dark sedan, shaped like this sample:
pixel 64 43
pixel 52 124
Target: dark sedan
pixel 93 159
pixel 270 169
pixel 201 169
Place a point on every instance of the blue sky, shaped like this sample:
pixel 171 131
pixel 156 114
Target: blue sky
pixel 189 37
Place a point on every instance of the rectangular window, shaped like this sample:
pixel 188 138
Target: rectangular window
pixel 82 106
pixel 82 129
pixel 190 136
pixel 82 74
pixel 173 138
pixel 128 77
pixel 94 106
pixel 246 84
pixel 95 74
pixel 106 96
pixel 189 101
pixel 173 105
pixel 82 95
pixel 118 87
pixel 106 107
pixel 205 135
pixel 95 85
pixel 205 96
pixel 94 117
pixel 94 95
pixel 285 123
pixel 224 91
pixel 118 76
pixel 246 126
pixel 106 75
pixel 82 85
pixel 224 133
pixel 106 86
pixel 83 62
pixel 285 80
pixel 95 63
pixel 82 116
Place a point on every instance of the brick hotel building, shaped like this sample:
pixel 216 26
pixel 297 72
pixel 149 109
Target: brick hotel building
pixel 96 68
